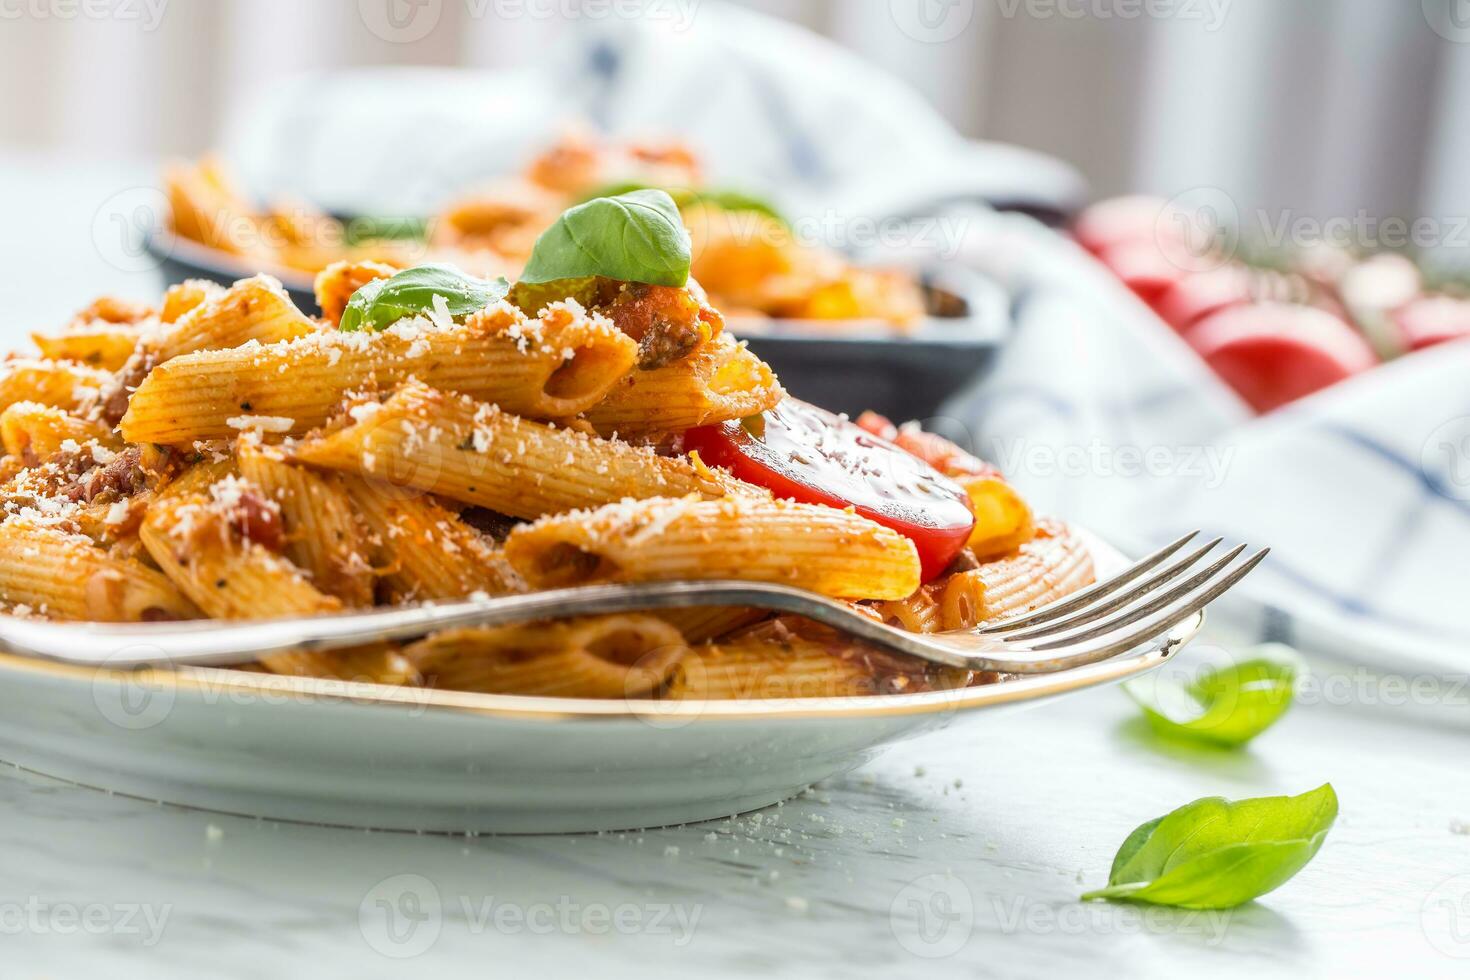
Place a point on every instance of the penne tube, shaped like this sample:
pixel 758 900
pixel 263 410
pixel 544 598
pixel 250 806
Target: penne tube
pixel 59 384
pixel 756 668
pixel 100 344
pixel 324 537
pixel 252 309
pixel 65 576
pixel 424 550
pixel 197 541
pixel 336 283
pixel 184 296
pixel 918 613
pixel 623 656
pixel 1054 564
pixel 809 546
pixel 548 368
pixel 721 380
pixel 962 600
pixel 701 623
pixel 32 432
pixel 477 454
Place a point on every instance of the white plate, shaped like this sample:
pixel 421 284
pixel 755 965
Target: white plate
pixel 369 756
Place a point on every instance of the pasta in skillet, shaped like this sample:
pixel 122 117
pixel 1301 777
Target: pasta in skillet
pixel 438 437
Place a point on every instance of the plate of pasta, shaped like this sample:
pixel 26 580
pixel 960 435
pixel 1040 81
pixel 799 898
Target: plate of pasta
pixel 433 435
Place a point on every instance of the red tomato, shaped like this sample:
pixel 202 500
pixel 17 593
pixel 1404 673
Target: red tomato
pixel 1274 353
pixel 937 451
pixel 1432 320
pixel 800 452
pixel 1192 299
pixel 1119 220
pixel 1144 268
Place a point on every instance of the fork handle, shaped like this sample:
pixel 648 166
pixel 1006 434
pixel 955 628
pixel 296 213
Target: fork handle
pixel 207 643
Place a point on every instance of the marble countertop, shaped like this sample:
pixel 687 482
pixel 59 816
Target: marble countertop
pixel 958 854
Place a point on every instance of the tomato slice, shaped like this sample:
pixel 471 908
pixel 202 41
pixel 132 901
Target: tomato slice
pixel 800 452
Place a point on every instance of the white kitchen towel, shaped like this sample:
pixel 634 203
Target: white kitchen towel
pixel 1098 411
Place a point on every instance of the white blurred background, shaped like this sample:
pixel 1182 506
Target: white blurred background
pixel 1323 107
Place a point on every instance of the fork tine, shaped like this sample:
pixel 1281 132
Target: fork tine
pixel 1074 655
pixel 1132 598
pixel 1104 588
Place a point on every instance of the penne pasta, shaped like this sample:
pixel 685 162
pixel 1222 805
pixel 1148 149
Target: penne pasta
pixel 336 283
pixel 918 613
pixel 33 432
pixel 624 656
pixel 701 623
pixel 323 536
pixel 64 575
pixel 548 368
pixel 255 309
pixel 721 380
pixel 1054 564
pixel 184 296
pixel 477 454
pixel 58 384
pixel 756 668
pixel 100 344
pixel 424 551
pixel 210 545
pixel 821 549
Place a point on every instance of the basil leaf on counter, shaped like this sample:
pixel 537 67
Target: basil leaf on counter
pixel 1217 854
pixel 1226 705
pixel 383 302
pixel 634 237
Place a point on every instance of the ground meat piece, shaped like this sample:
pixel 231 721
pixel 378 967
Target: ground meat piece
pixel 668 323
pixel 258 520
pixel 490 523
pixel 965 561
pixel 129 377
pixel 122 477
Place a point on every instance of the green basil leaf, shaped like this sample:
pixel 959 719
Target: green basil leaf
pixel 383 302
pixel 634 237
pixel 685 197
pixel 1215 854
pixel 369 228
pixel 740 201
pixel 1226 705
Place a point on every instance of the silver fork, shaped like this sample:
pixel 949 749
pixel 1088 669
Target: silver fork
pixel 1142 602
